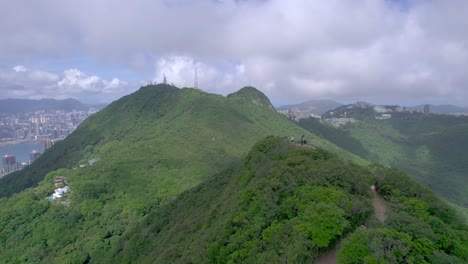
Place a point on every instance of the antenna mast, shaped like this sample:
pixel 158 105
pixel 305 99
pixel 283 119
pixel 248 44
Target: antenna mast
pixel 195 82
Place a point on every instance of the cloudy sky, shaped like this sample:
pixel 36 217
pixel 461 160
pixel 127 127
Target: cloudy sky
pixel 382 51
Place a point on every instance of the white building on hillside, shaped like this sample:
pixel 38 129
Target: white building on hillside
pixel 60 192
pixel 381 109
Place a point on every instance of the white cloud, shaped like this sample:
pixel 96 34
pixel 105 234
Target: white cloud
pixel 295 50
pixel 72 83
pixel 74 78
pixel 20 68
pixel 114 83
pixel 180 71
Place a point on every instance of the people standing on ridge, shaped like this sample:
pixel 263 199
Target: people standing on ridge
pixel 292 139
pixel 303 140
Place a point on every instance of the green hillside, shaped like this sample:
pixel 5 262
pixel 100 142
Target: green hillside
pixel 291 204
pixel 176 132
pixel 149 147
pixel 430 148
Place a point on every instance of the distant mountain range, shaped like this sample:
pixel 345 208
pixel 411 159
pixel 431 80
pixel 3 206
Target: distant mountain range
pixel 13 106
pixel 316 107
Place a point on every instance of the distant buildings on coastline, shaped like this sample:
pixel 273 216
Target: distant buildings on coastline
pixel 33 155
pixel 36 125
pixel 46 127
pixel 10 164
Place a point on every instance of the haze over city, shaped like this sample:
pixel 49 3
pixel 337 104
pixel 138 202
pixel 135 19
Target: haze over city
pixel 392 51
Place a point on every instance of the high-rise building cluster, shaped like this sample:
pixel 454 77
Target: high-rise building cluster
pixel 40 124
pixel 43 126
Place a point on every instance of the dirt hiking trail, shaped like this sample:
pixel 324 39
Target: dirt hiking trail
pixel 380 212
pixel 380 208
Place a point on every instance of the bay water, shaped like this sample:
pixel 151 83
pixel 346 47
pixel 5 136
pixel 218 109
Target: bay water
pixel 21 150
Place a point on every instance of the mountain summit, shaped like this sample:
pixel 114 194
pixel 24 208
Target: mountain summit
pixel 252 95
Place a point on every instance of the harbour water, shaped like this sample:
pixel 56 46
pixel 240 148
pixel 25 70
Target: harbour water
pixel 21 150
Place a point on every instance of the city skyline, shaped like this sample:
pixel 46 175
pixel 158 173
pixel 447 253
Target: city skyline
pixel 385 52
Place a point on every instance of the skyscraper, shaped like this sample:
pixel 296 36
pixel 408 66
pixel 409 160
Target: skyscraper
pixel 426 109
pixel 9 160
pixel 33 155
pixel 47 143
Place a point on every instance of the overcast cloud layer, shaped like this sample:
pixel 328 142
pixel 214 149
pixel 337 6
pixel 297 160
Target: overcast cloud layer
pixel 377 50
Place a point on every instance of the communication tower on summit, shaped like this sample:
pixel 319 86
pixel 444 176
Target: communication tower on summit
pixel 164 79
pixel 195 82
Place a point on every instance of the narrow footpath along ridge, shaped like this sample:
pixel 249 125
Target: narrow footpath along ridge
pixel 329 257
pixel 380 212
pixel 380 208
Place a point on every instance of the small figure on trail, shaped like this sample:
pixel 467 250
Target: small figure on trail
pixel 292 139
pixel 303 140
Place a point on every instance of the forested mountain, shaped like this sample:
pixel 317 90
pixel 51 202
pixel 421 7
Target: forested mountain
pixel 179 135
pixel 282 203
pixel 165 175
pixel 430 148
pixel 147 148
pixel 13 106
pixel 290 204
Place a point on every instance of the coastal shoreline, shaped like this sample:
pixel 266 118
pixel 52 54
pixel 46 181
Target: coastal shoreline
pixel 14 142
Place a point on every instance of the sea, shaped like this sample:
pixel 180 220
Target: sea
pixel 22 150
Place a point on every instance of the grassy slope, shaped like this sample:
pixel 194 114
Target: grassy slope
pixel 429 148
pixel 151 146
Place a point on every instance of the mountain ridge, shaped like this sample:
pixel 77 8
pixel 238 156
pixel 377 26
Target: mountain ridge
pixel 153 164
pixel 13 106
pixel 259 213
pixel 153 107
